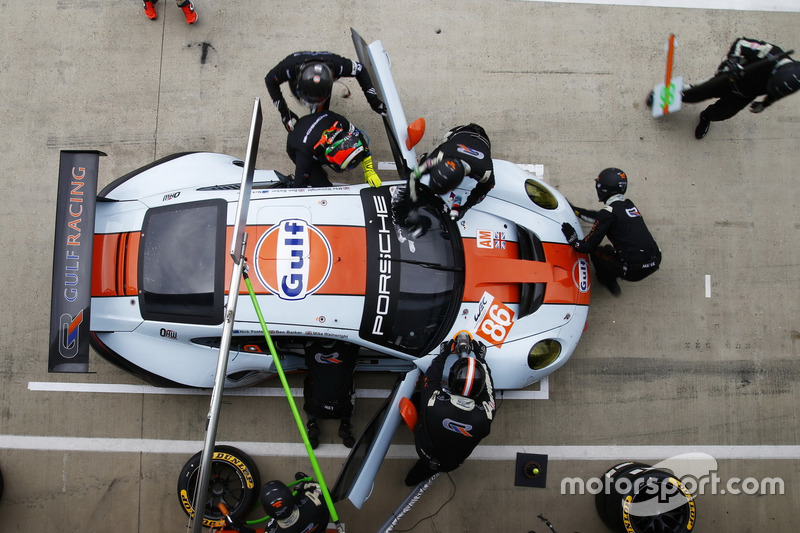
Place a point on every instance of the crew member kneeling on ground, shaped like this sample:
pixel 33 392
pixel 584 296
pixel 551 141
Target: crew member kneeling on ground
pixel 634 254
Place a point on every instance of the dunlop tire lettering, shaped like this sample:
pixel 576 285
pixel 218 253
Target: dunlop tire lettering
pixel 236 465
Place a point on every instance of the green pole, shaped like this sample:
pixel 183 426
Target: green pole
pixel 292 404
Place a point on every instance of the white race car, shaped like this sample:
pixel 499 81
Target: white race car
pixel 333 263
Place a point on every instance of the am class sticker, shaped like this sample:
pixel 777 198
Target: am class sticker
pixel 486 238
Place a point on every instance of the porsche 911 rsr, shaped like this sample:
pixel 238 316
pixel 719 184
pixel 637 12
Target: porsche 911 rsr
pixel 345 263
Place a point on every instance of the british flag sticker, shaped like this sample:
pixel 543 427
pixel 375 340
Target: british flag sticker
pixel 500 240
pixel 487 238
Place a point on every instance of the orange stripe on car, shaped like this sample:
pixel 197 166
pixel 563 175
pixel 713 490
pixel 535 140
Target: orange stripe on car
pixel 115 260
pixel 500 272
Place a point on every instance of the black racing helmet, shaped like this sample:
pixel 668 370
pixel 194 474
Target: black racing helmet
pixel 466 377
pixel 609 182
pixel 277 500
pixel 784 81
pixel 314 83
pixel 446 175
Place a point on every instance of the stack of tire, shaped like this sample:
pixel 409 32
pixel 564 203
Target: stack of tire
pixel 636 498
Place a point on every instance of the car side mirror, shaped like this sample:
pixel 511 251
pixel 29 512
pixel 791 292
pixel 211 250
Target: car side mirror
pixel 415 132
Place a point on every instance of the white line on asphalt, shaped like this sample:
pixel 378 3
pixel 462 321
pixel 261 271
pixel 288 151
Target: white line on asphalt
pixel 729 5
pixel 485 453
pixel 117 388
pixel 708 286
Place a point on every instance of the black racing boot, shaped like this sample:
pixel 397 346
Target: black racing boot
pixel 346 433
pixel 313 433
pixel 611 284
pixel 702 127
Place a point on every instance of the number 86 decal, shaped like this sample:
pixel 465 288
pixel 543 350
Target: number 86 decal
pixel 495 322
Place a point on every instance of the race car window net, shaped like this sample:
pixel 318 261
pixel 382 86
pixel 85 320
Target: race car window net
pixel 181 263
pixel 530 249
pixel 415 270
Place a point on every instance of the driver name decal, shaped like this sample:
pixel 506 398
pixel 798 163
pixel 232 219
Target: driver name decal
pixel 293 259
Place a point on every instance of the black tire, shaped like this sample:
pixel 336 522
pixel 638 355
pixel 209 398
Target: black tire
pixel 602 498
pixel 670 507
pixel 234 481
pixel 614 500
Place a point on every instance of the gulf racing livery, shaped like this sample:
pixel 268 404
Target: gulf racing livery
pixel 332 263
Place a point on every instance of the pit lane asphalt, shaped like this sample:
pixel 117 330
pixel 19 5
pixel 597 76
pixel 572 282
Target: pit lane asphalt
pixel 698 358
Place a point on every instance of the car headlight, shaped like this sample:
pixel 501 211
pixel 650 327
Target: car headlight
pixel 543 353
pixel 540 195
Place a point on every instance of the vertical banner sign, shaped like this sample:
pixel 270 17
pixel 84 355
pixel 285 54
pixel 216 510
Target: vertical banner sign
pixel 72 262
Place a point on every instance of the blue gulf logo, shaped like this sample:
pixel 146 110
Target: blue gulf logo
pixel 293 259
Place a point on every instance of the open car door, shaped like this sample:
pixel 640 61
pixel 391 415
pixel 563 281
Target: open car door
pixel 358 474
pixel 376 60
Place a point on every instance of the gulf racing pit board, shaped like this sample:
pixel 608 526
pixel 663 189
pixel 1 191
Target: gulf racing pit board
pixel 668 96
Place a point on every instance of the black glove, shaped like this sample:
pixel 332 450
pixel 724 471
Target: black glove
pixel 377 106
pixel 446 347
pixel 480 350
pixel 289 119
pixel 570 233
pixel 733 68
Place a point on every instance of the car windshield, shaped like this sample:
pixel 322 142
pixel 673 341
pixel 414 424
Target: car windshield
pixel 181 266
pixel 415 270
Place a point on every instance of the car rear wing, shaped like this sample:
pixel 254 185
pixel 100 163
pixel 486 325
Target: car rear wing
pixel 70 302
